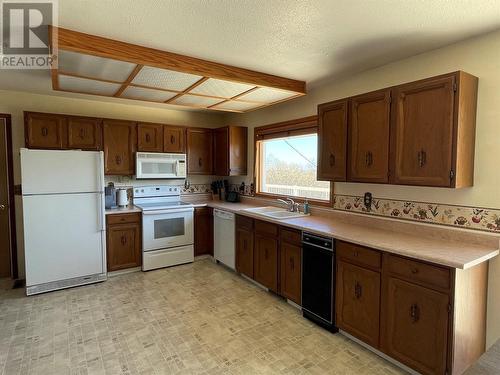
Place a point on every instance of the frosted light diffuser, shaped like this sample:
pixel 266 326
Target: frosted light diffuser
pixel 235 105
pixel 198 101
pixel 218 87
pixel 94 67
pixel 132 92
pixel 164 79
pixel 267 95
pixel 87 86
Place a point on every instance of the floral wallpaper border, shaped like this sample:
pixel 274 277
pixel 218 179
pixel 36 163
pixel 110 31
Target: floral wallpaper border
pixel 484 219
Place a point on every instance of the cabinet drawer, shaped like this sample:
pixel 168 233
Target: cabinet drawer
pixel 244 222
pixel 266 228
pixel 359 254
pixel 418 271
pixel 290 235
pixel 123 218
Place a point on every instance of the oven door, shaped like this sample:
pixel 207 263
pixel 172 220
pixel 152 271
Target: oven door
pixel 167 228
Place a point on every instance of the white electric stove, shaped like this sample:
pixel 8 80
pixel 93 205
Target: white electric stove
pixel 167 227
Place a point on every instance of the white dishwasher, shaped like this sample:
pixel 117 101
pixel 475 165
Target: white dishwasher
pixel 224 238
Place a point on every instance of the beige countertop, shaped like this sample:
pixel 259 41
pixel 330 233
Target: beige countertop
pixel 122 210
pixel 449 250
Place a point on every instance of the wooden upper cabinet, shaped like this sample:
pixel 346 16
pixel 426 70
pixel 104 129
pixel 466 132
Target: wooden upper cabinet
pixel 230 151
pixel 150 137
pixel 332 138
pixel 369 126
pixel 416 321
pixel 120 140
pixel 199 151
pixel 174 139
pixel 84 133
pixel 358 302
pixel 44 130
pixel 433 131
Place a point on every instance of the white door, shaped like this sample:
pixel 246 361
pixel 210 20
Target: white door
pixel 52 171
pixel 162 229
pixel 63 236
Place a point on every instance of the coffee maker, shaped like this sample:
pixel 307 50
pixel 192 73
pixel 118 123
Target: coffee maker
pixel 110 196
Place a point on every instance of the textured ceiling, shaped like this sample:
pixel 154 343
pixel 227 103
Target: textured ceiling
pixel 314 40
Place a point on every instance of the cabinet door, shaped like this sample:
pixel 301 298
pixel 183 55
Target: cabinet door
pixel 238 145
pixel 423 126
pixel 199 151
pixel 332 138
pixel 291 282
pixel 43 130
pixel 123 246
pixel 416 327
pixel 203 231
pixel 358 302
pixel 119 147
pixel 369 125
pixel 150 137
pixel 174 139
pixel 244 252
pixel 221 152
pixel 84 133
pixel 266 262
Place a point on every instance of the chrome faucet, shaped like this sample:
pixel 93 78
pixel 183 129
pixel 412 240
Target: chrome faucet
pixel 290 204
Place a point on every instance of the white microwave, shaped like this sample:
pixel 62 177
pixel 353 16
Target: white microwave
pixel 159 165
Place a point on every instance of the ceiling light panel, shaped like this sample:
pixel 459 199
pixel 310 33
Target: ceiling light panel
pixel 218 87
pixel 235 105
pixel 94 67
pixel 267 95
pixel 87 86
pixel 198 101
pixel 165 79
pixel 150 95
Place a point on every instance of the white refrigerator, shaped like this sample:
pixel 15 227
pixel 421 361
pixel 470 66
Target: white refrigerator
pixel 63 215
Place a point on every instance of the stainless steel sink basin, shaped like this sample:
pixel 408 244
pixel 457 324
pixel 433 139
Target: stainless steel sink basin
pixel 275 212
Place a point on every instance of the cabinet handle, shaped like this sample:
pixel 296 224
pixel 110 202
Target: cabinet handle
pixel 124 240
pixel 292 264
pixel 357 290
pixel 199 162
pixel 172 139
pixel 422 158
pixel 148 138
pixel 45 131
pixel 266 254
pixel 414 313
pixel 332 160
pixel 118 159
pixel 414 270
pixel 368 159
pixel 356 253
pixel 245 245
pixel 82 133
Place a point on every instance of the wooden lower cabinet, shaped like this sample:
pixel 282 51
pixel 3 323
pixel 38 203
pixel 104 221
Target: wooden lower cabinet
pixel 290 272
pixel 266 261
pixel 244 246
pixel 358 302
pixel 123 241
pixel 416 320
pixel 203 231
pixel 429 317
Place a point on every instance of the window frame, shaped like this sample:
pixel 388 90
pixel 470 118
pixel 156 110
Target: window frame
pixel 300 126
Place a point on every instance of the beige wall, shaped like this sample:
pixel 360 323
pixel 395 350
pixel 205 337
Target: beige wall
pixel 14 103
pixel 478 56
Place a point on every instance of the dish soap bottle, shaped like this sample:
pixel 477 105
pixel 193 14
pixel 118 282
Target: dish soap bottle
pixel 306 207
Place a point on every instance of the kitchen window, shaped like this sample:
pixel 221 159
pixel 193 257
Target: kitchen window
pixel 286 161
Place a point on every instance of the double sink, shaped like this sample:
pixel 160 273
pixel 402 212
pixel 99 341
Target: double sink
pixel 275 212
